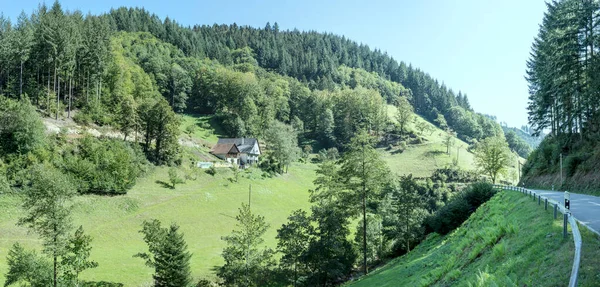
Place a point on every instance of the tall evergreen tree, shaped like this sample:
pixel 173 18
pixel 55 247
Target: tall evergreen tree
pixel 365 174
pixel 168 254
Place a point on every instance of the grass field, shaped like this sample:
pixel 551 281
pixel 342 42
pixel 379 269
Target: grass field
pixel 204 208
pixel 509 241
pixel 423 159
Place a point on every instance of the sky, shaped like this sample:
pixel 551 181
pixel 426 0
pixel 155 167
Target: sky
pixel 479 47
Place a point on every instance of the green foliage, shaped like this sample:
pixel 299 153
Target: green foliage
pixel 403 221
pixel 104 166
pixel 168 254
pixel 560 75
pixel 76 259
pixel 47 211
pixel 294 238
pixel 404 114
pixel 4 185
pixel 161 130
pixel 517 144
pixel 493 157
pixel 174 177
pixel 449 140
pixel 459 208
pixel 364 173
pixel 247 263
pixel 21 129
pixel 378 246
pixel 212 170
pixel 282 141
pixel 27 266
pixel 330 255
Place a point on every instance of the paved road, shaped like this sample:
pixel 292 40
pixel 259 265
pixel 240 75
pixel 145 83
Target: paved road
pixel 585 208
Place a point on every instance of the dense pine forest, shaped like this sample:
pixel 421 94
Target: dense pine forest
pixel 64 60
pixel 564 82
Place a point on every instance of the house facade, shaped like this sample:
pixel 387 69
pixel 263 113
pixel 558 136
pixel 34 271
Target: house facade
pixel 228 152
pixel 248 150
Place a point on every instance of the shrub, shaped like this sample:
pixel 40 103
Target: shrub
pixel 21 129
pixel 104 166
pixel 212 170
pixel 572 162
pixel 453 214
pixel 174 177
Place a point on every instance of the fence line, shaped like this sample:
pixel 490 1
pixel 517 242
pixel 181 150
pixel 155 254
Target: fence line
pixel 571 221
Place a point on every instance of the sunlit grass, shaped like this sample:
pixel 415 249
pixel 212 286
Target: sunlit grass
pixel 509 241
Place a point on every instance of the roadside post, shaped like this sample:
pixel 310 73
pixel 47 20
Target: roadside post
pixel 567 200
pixel 565 219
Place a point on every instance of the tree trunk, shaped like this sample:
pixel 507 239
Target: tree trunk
pixel 48 96
pixel 364 210
pixel 55 259
pixel 21 80
pixel 70 95
pixel 58 99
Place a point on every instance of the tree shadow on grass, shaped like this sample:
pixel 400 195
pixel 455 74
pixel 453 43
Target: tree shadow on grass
pixel 165 184
pixel 433 153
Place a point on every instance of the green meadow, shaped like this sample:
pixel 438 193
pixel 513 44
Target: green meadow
pixel 204 208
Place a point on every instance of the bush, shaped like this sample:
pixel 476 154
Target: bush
pixel 174 177
pixel 4 185
pixel 572 162
pixel 21 129
pixel 212 170
pixel 459 208
pixel 104 166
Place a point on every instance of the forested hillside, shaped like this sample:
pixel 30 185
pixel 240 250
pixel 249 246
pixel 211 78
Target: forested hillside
pixel 74 58
pixel 564 81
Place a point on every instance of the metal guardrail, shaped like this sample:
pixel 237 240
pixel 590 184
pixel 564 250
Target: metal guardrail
pixel 567 216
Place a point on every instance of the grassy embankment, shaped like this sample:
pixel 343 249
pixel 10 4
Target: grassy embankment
pixel 508 241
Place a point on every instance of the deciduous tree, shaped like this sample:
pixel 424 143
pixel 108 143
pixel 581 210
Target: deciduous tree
pixel 493 156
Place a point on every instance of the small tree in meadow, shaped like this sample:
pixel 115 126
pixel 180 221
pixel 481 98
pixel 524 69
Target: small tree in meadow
pixel 174 177
pixel 167 254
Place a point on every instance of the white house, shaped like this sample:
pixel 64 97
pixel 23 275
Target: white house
pixel 248 150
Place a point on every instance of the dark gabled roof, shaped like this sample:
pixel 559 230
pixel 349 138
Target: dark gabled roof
pixel 245 145
pixel 224 148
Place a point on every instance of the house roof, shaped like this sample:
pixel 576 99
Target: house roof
pixel 224 148
pixel 244 145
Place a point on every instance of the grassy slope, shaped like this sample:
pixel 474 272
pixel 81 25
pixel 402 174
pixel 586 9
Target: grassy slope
pixel 204 208
pixel 422 159
pixel 509 241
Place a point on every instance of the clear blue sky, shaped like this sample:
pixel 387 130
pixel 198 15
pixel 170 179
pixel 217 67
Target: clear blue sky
pixel 477 46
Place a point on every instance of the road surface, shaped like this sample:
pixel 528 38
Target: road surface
pixel 585 208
